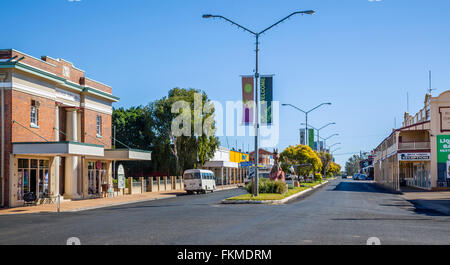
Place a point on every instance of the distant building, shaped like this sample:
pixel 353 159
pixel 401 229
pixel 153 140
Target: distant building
pixel 266 162
pixel 226 166
pixel 418 153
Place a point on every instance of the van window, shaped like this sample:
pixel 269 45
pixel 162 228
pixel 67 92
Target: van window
pixel 188 176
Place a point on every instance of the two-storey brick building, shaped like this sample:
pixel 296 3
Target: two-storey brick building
pixel 418 153
pixel 55 130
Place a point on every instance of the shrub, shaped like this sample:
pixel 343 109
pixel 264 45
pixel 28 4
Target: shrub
pixel 268 186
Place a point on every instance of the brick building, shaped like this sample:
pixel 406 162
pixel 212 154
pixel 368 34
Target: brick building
pixel 55 130
pixel 418 153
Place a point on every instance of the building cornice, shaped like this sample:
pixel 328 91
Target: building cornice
pixel 62 81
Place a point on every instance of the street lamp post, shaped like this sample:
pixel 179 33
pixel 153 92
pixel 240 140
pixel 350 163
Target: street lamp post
pixel 306 116
pixel 318 132
pixel 256 35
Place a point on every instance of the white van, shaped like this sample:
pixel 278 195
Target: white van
pixel 199 180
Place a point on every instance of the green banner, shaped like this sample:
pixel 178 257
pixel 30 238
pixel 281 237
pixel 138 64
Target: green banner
pixel 266 85
pixel 443 148
pixel 311 138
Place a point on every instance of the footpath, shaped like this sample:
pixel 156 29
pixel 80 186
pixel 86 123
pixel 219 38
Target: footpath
pixel 437 201
pixel 89 204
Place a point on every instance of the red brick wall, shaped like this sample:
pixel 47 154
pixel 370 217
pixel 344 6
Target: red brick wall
pixel 93 84
pixel 89 125
pixel 8 145
pixel 56 67
pixel 21 104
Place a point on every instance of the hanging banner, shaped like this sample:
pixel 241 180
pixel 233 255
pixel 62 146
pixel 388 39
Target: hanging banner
pixel 247 99
pixel 266 87
pixel 302 137
pixel 311 138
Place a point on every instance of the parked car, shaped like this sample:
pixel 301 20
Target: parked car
pixel 362 177
pixel 356 176
pixel 344 176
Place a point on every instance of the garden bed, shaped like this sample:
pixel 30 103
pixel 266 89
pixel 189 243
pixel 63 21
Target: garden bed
pixel 273 198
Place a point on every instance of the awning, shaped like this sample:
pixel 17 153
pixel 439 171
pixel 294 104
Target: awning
pixel 57 149
pixel 220 164
pixel 127 154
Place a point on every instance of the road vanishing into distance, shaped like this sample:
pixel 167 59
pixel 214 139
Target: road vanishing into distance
pixel 342 212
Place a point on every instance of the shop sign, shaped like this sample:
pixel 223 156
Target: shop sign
pixel 120 177
pixel 414 157
pixel 443 152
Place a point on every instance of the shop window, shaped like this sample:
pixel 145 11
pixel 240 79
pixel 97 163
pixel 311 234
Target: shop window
pixel 33 176
pixel 34 113
pixel 99 126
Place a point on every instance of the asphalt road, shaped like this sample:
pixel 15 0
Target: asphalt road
pixel 342 212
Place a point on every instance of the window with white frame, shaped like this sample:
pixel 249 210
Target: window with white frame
pixel 34 113
pixel 99 125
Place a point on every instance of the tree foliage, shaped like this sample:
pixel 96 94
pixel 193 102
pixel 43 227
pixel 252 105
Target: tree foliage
pixel 333 169
pixel 150 128
pixel 352 165
pixel 197 148
pixel 303 158
pixel 326 159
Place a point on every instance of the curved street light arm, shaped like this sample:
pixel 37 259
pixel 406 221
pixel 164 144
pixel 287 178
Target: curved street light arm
pixel 294 107
pixel 309 12
pixel 336 134
pixel 232 22
pixel 319 106
pixel 331 123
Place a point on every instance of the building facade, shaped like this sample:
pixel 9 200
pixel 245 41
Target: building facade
pixel 226 165
pixel 418 153
pixel 55 130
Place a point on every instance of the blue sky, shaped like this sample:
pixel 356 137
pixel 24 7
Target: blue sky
pixel 362 56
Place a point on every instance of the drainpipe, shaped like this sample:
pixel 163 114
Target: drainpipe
pixel 3 77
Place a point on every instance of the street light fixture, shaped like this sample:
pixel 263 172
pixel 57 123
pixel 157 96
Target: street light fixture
pixel 306 115
pixel 335 150
pixel 329 137
pixel 334 145
pixel 256 35
pixel 318 131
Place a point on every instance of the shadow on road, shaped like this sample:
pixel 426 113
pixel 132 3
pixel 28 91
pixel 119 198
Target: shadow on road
pixel 428 207
pixel 360 187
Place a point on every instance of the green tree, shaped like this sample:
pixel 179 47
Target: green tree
pixel 188 150
pixel 303 158
pixel 333 169
pixel 326 159
pixel 134 129
pixel 150 128
pixel 352 165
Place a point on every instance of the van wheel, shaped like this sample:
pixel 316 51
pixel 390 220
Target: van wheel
pixel 189 192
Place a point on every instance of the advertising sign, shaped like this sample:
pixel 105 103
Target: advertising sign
pixel 443 153
pixel 120 177
pixel 414 157
pixel 266 86
pixel 247 99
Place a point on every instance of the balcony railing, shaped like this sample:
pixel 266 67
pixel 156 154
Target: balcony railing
pixel 414 145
